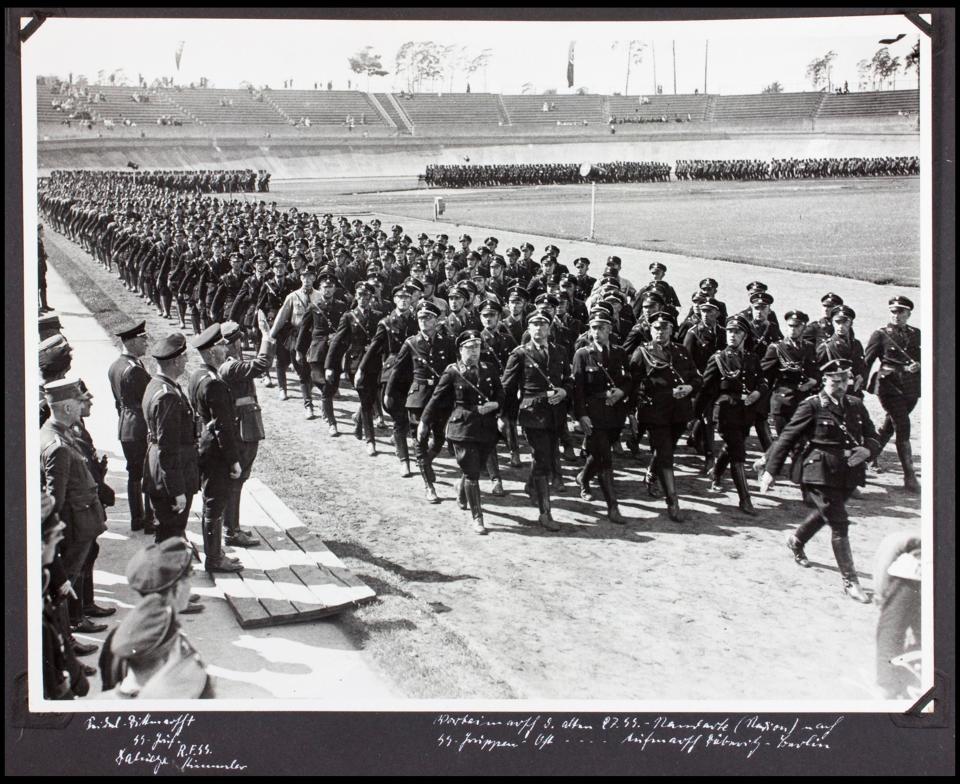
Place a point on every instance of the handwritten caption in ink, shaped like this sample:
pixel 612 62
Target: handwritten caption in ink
pixel 157 743
pixel 745 735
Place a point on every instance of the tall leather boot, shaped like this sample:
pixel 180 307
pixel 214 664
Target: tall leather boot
pixel 716 477
pixel 135 502
pixel 851 584
pixel 613 509
pixel 743 490
pixel 670 490
pixel 462 493
pixel 149 518
pixel 651 480
pixel 426 472
pixel 215 560
pixel 905 453
pixel 195 321
pixel 763 434
pixel 403 454
pixel 472 492
pixel 235 535
pixel 307 394
pixel 530 489
pixel 165 302
pixel 542 489
pixel 583 479
pixel 493 469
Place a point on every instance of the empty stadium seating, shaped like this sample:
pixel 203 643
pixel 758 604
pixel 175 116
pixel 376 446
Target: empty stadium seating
pixel 876 104
pixel 524 109
pixel 765 107
pixel 227 107
pixel 465 108
pixel 325 107
pixel 658 106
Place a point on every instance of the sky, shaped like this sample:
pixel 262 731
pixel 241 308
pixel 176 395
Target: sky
pixel 741 56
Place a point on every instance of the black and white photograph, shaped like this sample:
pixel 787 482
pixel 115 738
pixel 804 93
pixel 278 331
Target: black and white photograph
pixel 577 372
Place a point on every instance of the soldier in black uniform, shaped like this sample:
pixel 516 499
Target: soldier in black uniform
pixel 601 391
pixel 843 345
pixel 219 457
pixel 128 381
pixel 732 383
pixel 840 438
pixel 763 332
pixel 701 342
pixel 471 393
pixel 171 475
pixel 659 285
pixel 536 383
pixel 665 385
pixel 421 360
pixel 817 331
pixel 376 366
pixel 42 270
pixel 272 295
pixel 897 381
pixel 583 282
pixel 238 374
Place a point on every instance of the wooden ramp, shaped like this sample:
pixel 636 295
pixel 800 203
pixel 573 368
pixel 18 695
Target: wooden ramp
pixel 292 576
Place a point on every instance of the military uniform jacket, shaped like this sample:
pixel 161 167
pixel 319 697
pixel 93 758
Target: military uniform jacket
pixel 317 326
pixel 462 389
pixel 516 327
pixel 817 331
pixel 850 348
pixel 529 375
pixel 381 355
pixel 789 366
pixel 172 467
pixel 128 381
pixel 226 293
pixel 763 335
pixel 271 296
pixel 238 375
pixel 656 371
pixel 702 342
pixel 68 479
pixel 245 304
pixel 498 343
pixel 418 368
pixel 596 373
pixel 661 287
pixel 831 432
pixel 895 348
pixel 354 333
pixel 460 321
pixel 213 402
pixel 730 376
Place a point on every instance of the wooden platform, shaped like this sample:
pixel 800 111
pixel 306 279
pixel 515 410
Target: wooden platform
pixel 292 576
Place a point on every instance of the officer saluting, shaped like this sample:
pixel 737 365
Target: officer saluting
pixel 238 374
pixel 171 475
pixel 219 457
pixel 897 382
pixel 840 438
pixel 471 387
pixel 128 381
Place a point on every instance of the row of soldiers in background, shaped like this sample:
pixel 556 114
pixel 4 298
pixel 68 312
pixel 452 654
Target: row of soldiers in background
pixel 203 181
pixel 360 321
pixel 464 176
pixel 798 168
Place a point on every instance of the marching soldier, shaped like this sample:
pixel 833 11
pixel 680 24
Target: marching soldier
pixel 763 332
pixel 665 383
pixel 536 383
pixel 239 374
pixel 601 390
pixel 421 360
pixel 376 366
pixel 219 457
pixel 843 345
pixel 659 285
pixel 273 293
pixel 732 383
pixel 840 438
pixel 897 381
pixel 128 381
pixel 818 331
pixel 171 475
pixel 701 342
pixel 471 388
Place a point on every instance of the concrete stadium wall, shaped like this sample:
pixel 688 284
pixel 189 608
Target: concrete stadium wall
pixel 405 157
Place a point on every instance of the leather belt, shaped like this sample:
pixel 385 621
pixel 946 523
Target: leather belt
pixel 246 400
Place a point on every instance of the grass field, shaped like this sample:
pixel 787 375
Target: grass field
pixel 867 229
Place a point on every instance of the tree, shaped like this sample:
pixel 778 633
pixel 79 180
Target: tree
pixel 865 78
pixel 912 60
pixel 550 91
pixel 634 50
pixel 477 62
pixel 583 91
pixel 773 87
pixel 419 61
pixel 820 71
pixel 885 67
pixel 366 61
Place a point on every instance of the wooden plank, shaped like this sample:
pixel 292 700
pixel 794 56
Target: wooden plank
pixel 273 601
pixel 250 613
pixel 278 511
pixel 331 589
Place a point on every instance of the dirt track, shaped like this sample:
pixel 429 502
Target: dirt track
pixel 712 609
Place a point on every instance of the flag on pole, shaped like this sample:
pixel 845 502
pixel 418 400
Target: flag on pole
pixel 179 52
pixel 892 40
pixel 570 64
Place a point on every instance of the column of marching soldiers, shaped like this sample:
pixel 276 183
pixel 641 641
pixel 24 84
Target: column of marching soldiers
pixel 491 175
pixel 467 346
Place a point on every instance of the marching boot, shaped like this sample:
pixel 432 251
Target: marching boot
pixel 429 492
pixel 165 302
pixel 763 434
pixel 542 489
pixel 716 477
pixel 462 493
pixel 135 502
pixel 400 442
pixel 905 453
pixel 149 519
pixel 650 479
pixel 851 585
pixel 214 559
pixel 493 469
pixel 515 461
pixel 472 491
pixel 708 464
pixel 796 547
pixel 670 490
pixel 530 489
pixel 743 490
pixel 613 509
pixel 583 481
pixel 195 321
pixel 307 395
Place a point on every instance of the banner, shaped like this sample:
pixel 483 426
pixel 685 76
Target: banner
pixel 179 52
pixel 570 65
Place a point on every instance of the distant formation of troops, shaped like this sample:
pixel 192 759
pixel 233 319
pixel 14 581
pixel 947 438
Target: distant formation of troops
pixel 462 345
pixel 798 168
pixel 203 181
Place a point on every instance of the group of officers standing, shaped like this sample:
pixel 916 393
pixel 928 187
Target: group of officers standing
pixel 469 347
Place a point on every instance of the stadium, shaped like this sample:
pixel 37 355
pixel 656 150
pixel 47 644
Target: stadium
pixel 713 608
